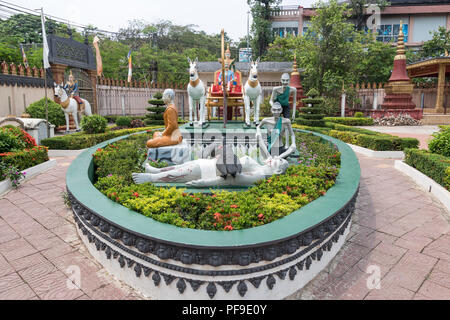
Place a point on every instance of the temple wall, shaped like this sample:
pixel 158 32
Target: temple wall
pixel 14 99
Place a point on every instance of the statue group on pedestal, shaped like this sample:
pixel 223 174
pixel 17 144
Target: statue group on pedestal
pixel 225 168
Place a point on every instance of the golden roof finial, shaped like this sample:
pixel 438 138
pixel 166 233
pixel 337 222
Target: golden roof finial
pixel 294 67
pixel 400 44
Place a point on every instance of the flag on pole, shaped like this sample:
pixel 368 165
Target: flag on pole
pixel 130 67
pixel 44 42
pixel 24 57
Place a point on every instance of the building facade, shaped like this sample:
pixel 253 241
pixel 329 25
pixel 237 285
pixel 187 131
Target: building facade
pixel 420 19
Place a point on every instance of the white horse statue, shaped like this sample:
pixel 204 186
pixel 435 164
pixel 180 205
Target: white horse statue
pixel 70 106
pixel 252 93
pixel 197 94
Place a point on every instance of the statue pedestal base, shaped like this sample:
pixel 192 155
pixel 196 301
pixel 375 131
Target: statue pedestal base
pixel 177 154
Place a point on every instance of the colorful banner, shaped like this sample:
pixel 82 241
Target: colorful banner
pixel 130 67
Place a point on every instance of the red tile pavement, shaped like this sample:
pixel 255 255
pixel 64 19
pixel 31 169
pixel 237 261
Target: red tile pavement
pixel 397 228
pixel 39 242
pixel 406 233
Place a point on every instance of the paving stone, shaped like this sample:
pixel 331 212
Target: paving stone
pixel 390 293
pixel 28 261
pixel 21 292
pixel 61 293
pixel 110 292
pixel 35 274
pixel 48 282
pixel 10 281
pixel 434 291
pixel 7 234
pixel 58 251
pixel 16 249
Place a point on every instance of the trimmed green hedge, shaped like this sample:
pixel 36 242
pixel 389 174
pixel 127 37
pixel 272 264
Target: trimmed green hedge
pixel 81 140
pixel 113 118
pixel 435 166
pixel 351 121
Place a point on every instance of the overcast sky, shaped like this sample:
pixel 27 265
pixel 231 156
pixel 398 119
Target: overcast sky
pixel 209 15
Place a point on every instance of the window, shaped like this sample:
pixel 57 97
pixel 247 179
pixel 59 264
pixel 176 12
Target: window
pixel 389 32
pixel 292 31
pixel 281 32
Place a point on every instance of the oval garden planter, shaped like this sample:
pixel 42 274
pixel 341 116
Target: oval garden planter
pixel 166 262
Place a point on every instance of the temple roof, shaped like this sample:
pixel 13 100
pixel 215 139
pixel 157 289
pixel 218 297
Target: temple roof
pixel 266 66
pixel 428 67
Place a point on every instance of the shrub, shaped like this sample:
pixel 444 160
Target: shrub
pixel 265 108
pixel 94 124
pixel 15 139
pixel 82 140
pixel 267 201
pixel 9 142
pixel 26 158
pixel 123 122
pixel 55 113
pixel 435 166
pixel 359 114
pixel 351 121
pixel 441 142
pixel 12 173
pixel 137 123
pixel 346 136
pixel 374 141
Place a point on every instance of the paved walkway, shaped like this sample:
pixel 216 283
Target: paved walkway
pixel 40 249
pixel 421 133
pixel 397 227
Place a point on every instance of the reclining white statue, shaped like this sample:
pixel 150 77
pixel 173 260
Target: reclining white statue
pixel 205 173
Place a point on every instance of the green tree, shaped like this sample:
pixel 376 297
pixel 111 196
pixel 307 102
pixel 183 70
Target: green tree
pixel 438 45
pixel 262 11
pixel 331 48
pixel 376 65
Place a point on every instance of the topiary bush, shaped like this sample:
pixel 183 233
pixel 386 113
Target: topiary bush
pixel 123 122
pixel 55 113
pixel 155 117
pixel 359 114
pixel 441 142
pixel 312 115
pixel 94 124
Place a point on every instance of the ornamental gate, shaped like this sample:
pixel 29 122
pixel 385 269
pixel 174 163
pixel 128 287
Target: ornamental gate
pixel 66 54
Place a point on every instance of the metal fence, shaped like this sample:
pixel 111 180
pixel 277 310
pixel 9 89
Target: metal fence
pixel 114 100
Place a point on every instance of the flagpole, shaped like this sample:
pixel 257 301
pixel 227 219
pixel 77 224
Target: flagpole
pixel 45 79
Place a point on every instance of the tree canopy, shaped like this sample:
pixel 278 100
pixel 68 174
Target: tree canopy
pixel 160 50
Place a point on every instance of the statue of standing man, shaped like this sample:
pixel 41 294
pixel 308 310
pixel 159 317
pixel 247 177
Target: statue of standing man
pixel 282 94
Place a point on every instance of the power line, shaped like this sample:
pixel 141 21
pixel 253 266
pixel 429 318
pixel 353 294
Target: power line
pixel 17 8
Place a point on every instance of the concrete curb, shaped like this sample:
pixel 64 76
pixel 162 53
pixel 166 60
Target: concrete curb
pixel 6 186
pixel 65 153
pixel 378 154
pixel 425 182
